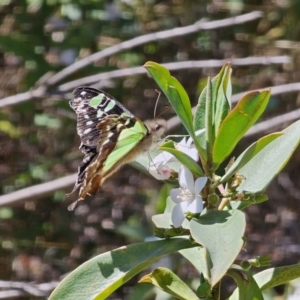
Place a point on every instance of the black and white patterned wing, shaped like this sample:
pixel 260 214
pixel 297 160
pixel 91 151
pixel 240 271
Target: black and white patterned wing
pixel 92 106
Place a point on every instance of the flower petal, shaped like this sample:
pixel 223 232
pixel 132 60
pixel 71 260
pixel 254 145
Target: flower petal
pixel 193 153
pixel 199 184
pixel 162 174
pixel 182 143
pixel 189 142
pixel 174 193
pixel 162 158
pixel 186 179
pixel 196 206
pixel 186 146
pixel 184 205
pixel 158 167
pixel 177 216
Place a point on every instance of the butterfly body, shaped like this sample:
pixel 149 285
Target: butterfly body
pixel 110 137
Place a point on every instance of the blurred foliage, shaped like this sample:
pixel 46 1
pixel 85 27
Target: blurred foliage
pixel 39 143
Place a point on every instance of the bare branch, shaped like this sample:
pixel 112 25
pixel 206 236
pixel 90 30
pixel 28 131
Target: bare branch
pixel 212 63
pixel 166 34
pixel 23 97
pixel 37 191
pixel 274 122
pixel 192 64
pixel 21 289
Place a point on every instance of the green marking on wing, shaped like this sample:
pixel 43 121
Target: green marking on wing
pixel 128 140
pixel 110 105
pixel 95 101
pixel 100 113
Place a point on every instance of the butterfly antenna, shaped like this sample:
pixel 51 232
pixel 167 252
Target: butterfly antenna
pixel 156 104
pixel 155 108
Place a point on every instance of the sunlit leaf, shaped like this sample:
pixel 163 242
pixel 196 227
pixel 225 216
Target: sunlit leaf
pixel 249 153
pixel 220 232
pixel 261 169
pixel 170 283
pixel 103 274
pixel 176 95
pixel 221 95
pixel 199 258
pixel 276 276
pixel 237 123
pixel 247 286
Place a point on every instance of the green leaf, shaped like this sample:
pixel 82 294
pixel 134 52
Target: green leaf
pixel 221 89
pixel 247 286
pixel 176 95
pixel 249 153
pixel 209 121
pixel 185 160
pixel 237 123
pixel 200 117
pixel 103 274
pixel 174 91
pixel 220 232
pixel 222 96
pixel 276 276
pixel 199 258
pixel 260 170
pixel 141 291
pixel 164 220
pixel 170 283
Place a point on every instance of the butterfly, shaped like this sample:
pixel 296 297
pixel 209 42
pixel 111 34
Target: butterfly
pixel 111 136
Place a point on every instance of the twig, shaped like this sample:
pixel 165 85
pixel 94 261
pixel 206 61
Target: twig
pixel 38 191
pixel 21 289
pixel 16 99
pixel 212 63
pixel 197 64
pixel 166 34
pixel 274 122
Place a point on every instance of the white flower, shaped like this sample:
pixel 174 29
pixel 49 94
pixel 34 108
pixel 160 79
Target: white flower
pixel 186 146
pixel 186 197
pixel 159 168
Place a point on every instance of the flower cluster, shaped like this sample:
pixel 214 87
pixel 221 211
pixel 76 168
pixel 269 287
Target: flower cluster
pixel 159 167
pixel 187 197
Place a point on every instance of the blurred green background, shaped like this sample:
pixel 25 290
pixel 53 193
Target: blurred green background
pixel 40 240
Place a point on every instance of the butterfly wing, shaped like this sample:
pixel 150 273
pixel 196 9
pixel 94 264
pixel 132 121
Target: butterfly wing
pixel 110 137
pixel 118 144
pixel 91 106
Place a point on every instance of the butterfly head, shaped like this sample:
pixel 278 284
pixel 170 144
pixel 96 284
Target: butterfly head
pixel 156 128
